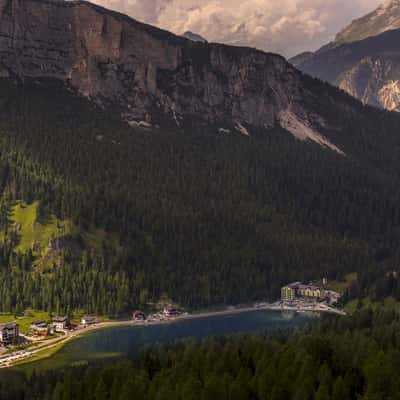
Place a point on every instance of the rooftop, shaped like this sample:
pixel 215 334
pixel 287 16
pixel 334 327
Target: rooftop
pixel 89 317
pixel 8 325
pixel 39 323
pixel 293 285
pixel 299 285
pixel 312 287
pixel 60 319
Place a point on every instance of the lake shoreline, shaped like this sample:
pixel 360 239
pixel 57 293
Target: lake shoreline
pixel 44 349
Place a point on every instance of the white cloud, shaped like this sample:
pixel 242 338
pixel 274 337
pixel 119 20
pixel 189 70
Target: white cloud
pixel 283 26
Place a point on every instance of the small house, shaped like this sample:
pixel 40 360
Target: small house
pixel 138 315
pixel 40 328
pixel 60 323
pixel 171 312
pixel 88 320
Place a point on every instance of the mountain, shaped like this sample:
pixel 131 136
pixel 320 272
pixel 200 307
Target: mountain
pixel 368 69
pixel 137 165
pixel 386 17
pixel 301 58
pixel 194 37
pixel 364 59
pixel 149 76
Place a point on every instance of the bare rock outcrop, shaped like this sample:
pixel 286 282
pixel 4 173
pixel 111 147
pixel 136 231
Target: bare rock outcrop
pixel 147 73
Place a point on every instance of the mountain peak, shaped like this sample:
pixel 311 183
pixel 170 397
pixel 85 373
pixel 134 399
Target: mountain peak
pixel 364 59
pixel 384 18
pixel 194 37
pixel 389 3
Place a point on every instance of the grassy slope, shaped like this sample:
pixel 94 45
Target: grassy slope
pixel 34 233
pixel 26 320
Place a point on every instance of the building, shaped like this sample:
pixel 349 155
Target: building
pixel 88 320
pixel 332 296
pixel 171 312
pixel 138 316
pixel 41 328
pixel 60 323
pixel 310 291
pixel 297 290
pixel 8 333
pixel 289 292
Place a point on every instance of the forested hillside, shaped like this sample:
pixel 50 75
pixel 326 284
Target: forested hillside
pixel 203 217
pixel 343 359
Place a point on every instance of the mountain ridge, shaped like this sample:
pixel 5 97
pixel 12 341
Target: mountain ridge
pixel 385 17
pixel 151 77
pixel 365 66
pixel 103 57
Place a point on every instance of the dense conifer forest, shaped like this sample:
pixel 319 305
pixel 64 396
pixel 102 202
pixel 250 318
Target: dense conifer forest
pixel 99 216
pixel 202 217
pixel 344 358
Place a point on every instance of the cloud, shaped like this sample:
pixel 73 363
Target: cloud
pixel 283 26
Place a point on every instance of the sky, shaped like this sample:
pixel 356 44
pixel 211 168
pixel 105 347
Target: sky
pixel 286 27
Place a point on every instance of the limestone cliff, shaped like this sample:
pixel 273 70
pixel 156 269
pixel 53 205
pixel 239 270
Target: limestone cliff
pixel 146 73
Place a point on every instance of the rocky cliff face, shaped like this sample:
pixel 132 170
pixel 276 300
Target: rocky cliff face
pixel 374 80
pixel 146 73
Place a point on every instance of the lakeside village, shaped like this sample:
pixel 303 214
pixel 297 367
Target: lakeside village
pixel 16 346
pixel 10 333
pixel 42 334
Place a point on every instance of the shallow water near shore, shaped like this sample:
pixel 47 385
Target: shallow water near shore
pixel 131 340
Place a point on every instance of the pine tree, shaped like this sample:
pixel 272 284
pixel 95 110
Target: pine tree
pixel 101 391
pixel 340 392
pixel 322 393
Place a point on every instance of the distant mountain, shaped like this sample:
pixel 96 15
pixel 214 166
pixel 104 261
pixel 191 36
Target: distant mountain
pixel 364 59
pixel 301 58
pixel 368 69
pixel 194 37
pixel 386 17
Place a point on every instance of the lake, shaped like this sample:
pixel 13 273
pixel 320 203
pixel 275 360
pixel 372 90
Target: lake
pixel 131 340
